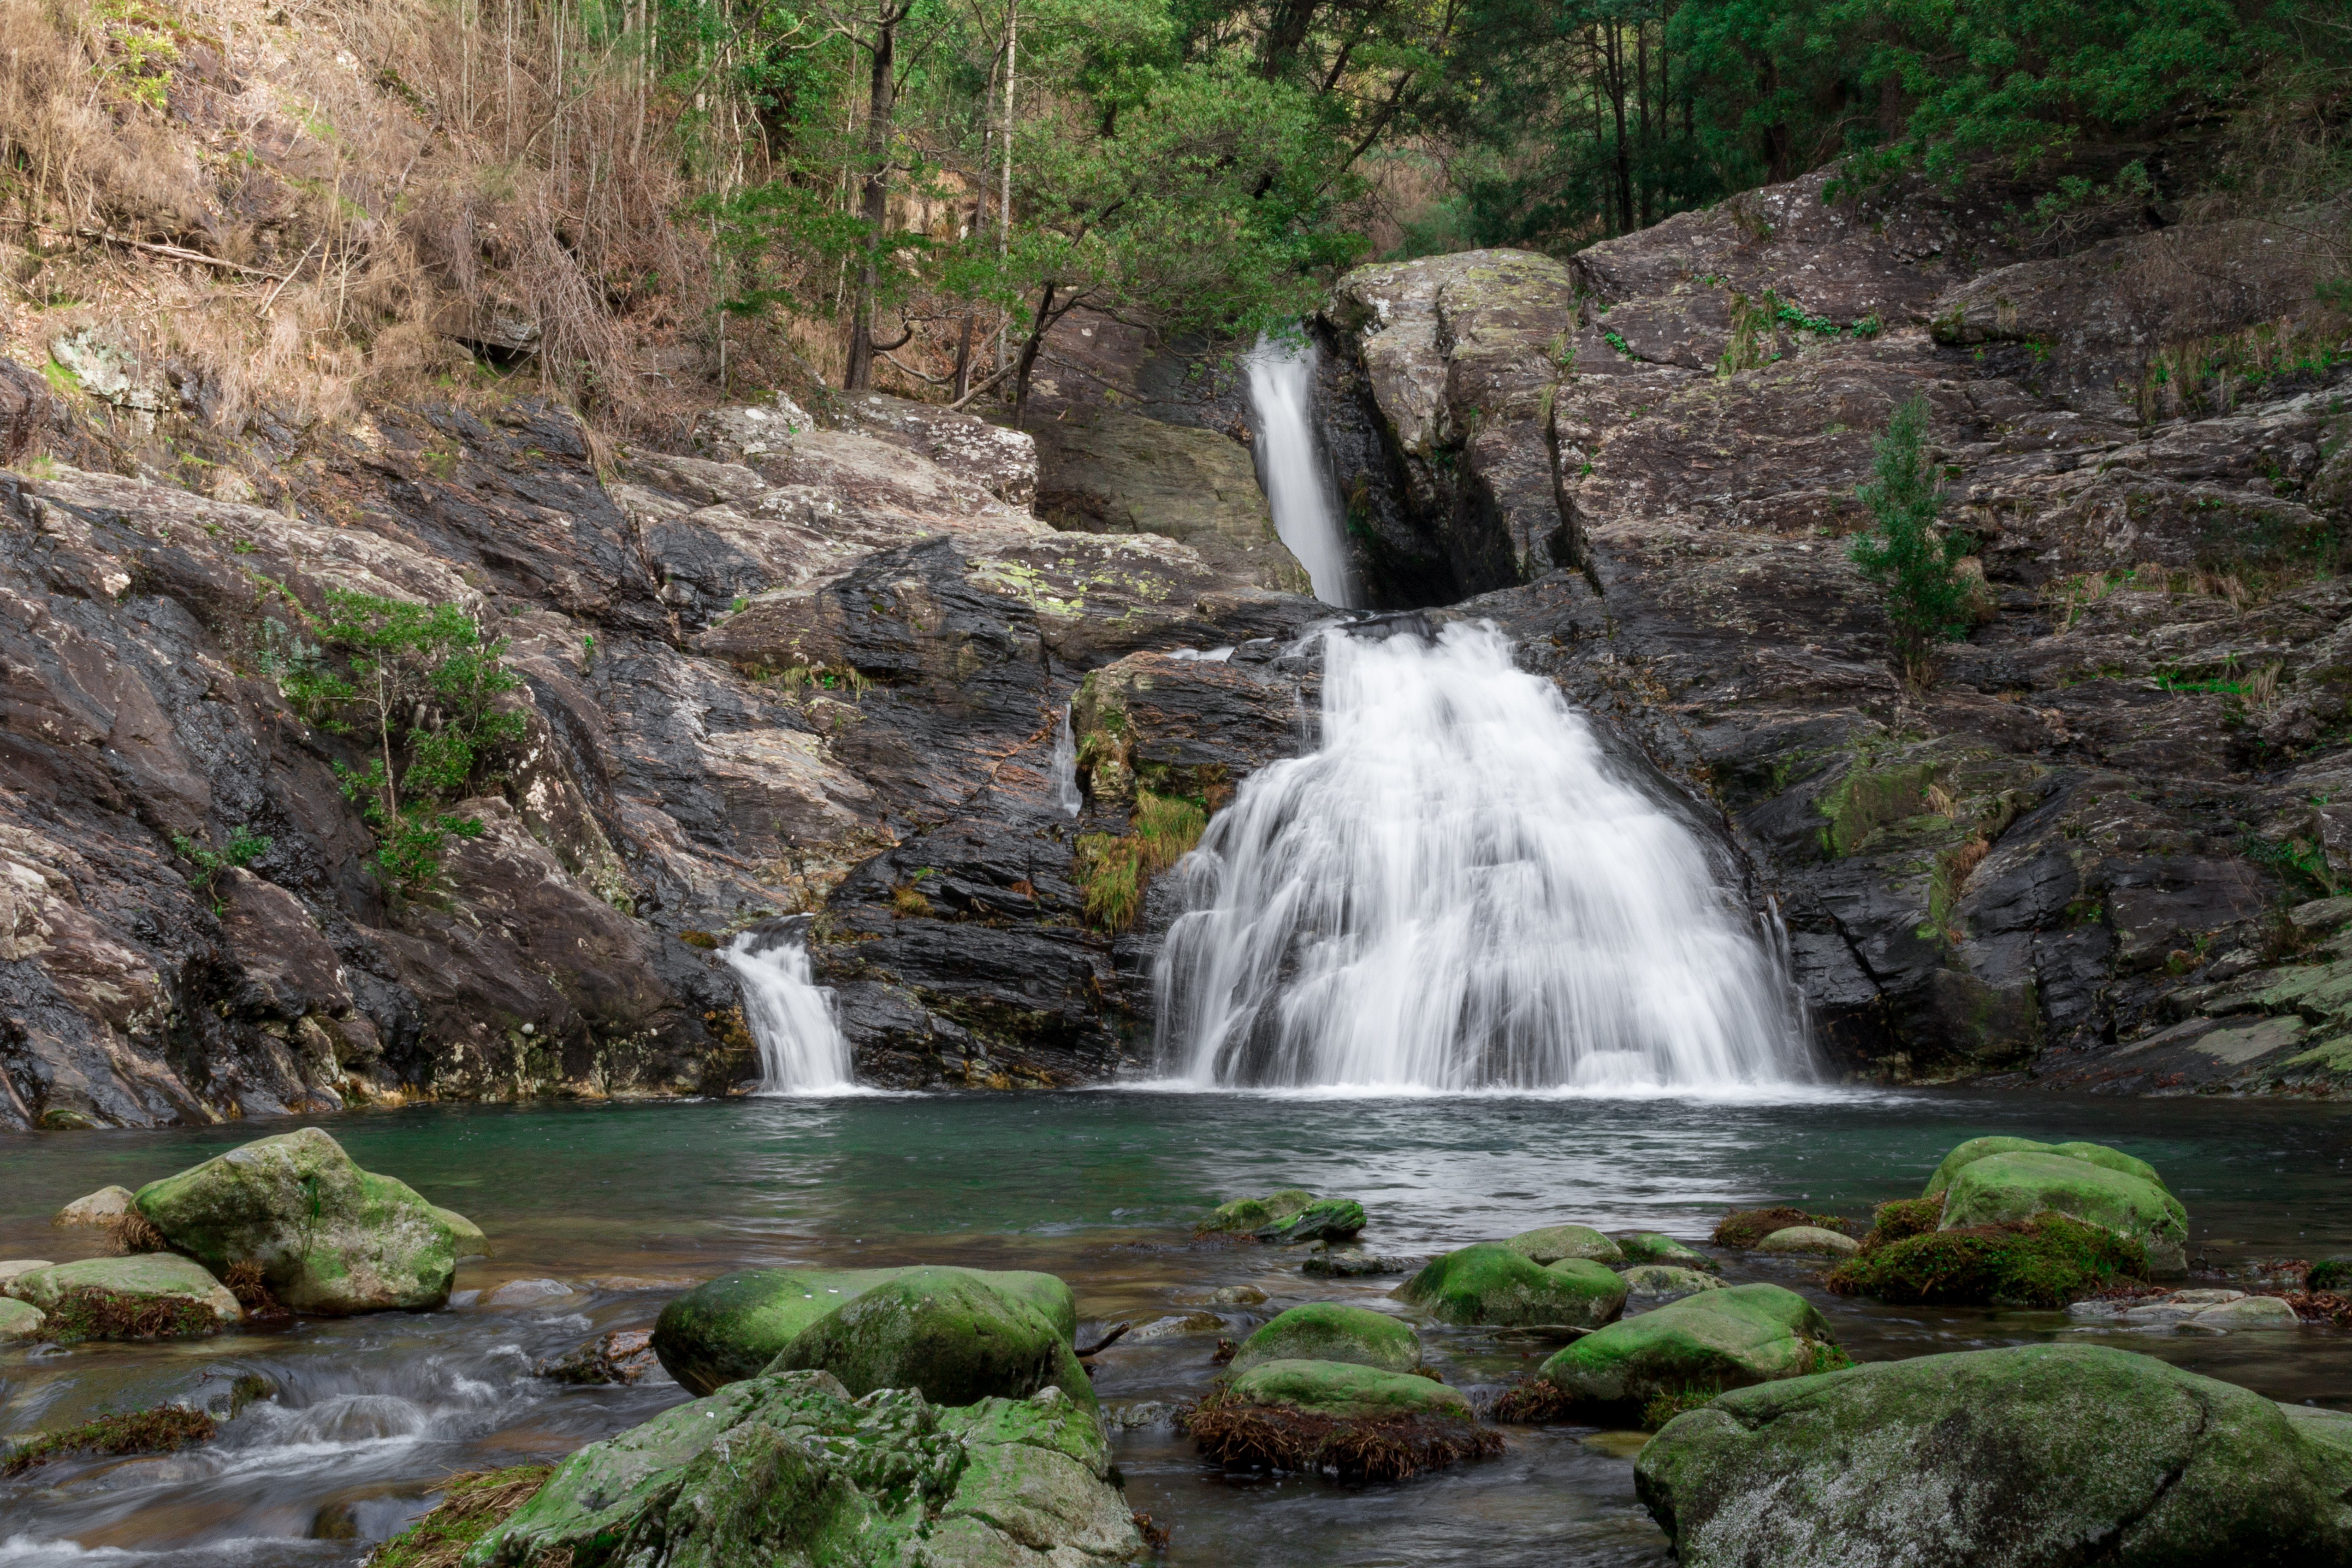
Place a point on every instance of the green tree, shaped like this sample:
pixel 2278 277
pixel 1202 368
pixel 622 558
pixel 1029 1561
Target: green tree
pixel 1913 560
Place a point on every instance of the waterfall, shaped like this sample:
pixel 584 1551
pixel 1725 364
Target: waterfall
pixel 1066 793
pixel 1298 488
pixel 1461 889
pixel 802 1049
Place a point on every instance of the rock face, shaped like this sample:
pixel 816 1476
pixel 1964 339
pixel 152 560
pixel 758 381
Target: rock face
pixel 2033 1457
pixel 2061 859
pixel 328 1237
pixel 788 1468
pixel 1722 1339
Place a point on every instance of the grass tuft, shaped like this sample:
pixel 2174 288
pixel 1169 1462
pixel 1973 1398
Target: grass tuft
pixel 163 1430
pixel 1391 1448
pixel 89 1312
pixel 1902 1219
pixel 472 1504
pixel 2047 1261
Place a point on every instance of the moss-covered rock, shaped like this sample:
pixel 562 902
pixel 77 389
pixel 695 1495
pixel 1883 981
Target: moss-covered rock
pixel 1810 1240
pixel 1337 1418
pixel 1250 1213
pixel 2012 1188
pixel 1975 1149
pixel 786 1468
pixel 2035 1457
pixel 2047 1261
pixel 466 1238
pixel 1325 1219
pixel 1654 1282
pixel 328 1237
pixel 20 1320
pixel 1326 1330
pixel 154 1295
pixel 1721 1339
pixel 946 1332
pixel 1346 1390
pixel 1554 1242
pixel 1490 1284
pixel 731 1327
pixel 1651 1247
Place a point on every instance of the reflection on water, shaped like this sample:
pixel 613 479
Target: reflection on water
pixel 626 1203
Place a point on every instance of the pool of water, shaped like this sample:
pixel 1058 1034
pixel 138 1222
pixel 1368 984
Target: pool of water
pixel 629 1203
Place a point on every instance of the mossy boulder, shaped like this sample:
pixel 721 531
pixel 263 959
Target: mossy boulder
pixel 2012 1188
pixel 2046 1261
pixel 466 1238
pixel 1250 1213
pixel 1490 1284
pixel 1346 1390
pixel 1648 1282
pixel 787 1468
pixel 731 1327
pixel 1729 1338
pixel 946 1332
pixel 1743 1228
pixel 20 1320
pixel 1339 1419
pixel 1326 1330
pixel 2036 1457
pixel 1808 1240
pixel 1975 1149
pixel 1554 1242
pixel 104 1206
pixel 1325 1219
pixel 154 1295
pixel 328 1237
pixel 1651 1247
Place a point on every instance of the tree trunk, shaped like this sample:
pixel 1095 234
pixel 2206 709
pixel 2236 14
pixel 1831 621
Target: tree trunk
pixel 963 361
pixel 1037 328
pixel 874 204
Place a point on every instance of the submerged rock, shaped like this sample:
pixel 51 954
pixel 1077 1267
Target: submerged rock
pixel 1237 1295
pixel 1325 1219
pixel 1650 1246
pixel 2036 1457
pixel 946 1332
pixel 328 1237
pixel 1554 1242
pixel 1490 1284
pixel 1812 1240
pixel 731 1327
pixel 1250 1213
pixel 101 1207
pixel 787 1467
pixel 1177 1325
pixel 1658 1282
pixel 1729 1338
pixel 156 1295
pixel 1326 1330
pixel 2012 1188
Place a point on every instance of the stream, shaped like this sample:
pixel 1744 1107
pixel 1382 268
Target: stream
pixel 626 1204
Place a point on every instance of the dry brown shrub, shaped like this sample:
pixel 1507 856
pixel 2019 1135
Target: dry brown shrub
pixel 1388 1448
pixel 132 1232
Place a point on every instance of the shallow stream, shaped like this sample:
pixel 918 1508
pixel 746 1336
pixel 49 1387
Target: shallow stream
pixel 626 1204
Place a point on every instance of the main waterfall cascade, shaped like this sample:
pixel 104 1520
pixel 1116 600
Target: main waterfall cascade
pixel 1298 488
pixel 802 1048
pixel 1461 889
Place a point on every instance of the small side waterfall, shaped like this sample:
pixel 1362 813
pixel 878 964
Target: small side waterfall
pixel 1461 889
pixel 1299 489
pixel 802 1049
pixel 1066 793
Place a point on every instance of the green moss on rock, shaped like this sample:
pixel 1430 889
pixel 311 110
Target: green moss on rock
pixel 2012 1187
pixel 1490 1284
pixel 1250 1213
pixel 946 1332
pixel 1554 1242
pixel 154 1295
pixel 2046 1261
pixel 1721 1339
pixel 1326 1330
pixel 1651 1247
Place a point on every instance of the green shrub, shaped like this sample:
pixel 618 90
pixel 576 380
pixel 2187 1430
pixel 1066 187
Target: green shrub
pixel 244 848
pixel 2047 1261
pixel 2334 1276
pixel 1929 598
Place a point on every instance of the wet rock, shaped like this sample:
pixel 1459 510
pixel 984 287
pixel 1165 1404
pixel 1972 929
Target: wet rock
pixel 1650 1246
pixel 1237 1295
pixel 1812 1240
pixel 1491 1284
pixel 1346 1390
pixel 466 1238
pixel 787 1465
pixel 1721 1339
pixel 103 1207
pixel 1339 1419
pixel 526 1293
pixel 1325 1331
pixel 1142 1415
pixel 1325 1219
pixel 2195 1311
pixel 20 1320
pixel 1554 1242
pixel 1975 1149
pixel 154 1296
pixel 1250 1213
pixel 2013 1188
pixel 2014 1456
pixel 1357 1262
pixel 11 1267
pixel 1647 1282
pixel 328 1237
pixel 1176 1326
pixel 731 1327
pixel 946 1332
pixel 624 1355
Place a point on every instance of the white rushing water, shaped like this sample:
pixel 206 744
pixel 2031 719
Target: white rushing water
pixel 802 1048
pixel 1461 891
pixel 1066 793
pixel 1298 488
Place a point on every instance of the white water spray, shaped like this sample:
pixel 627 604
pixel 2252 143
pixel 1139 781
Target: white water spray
pixel 1066 793
pixel 802 1048
pixel 1461 889
pixel 1299 489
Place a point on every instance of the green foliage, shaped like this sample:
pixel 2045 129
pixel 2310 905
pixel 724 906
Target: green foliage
pixel 1902 1219
pixel 1927 598
pixel 1111 871
pixel 2046 1261
pixel 245 847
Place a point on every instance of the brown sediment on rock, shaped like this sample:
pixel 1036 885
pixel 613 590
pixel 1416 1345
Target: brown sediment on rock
pixel 162 1430
pixel 1384 1449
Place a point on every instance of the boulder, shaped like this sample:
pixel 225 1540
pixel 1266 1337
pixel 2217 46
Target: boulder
pixel 1237 1296
pixel 731 1327
pixel 1339 1419
pixel 1325 1331
pixel 1659 1283
pixel 2012 1188
pixel 1554 1242
pixel 154 1295
pixel 1346 1390
pixel 1720 1339
pixel 786 1468
pixel 1490 1284
pixel 1975 1149
pixel 2193 1311
pixel 2048 1261
pixel 1250 1213
pixel 1650 1246
pixel 946 1332
pixel 466 1238
pixel 20 1320
pixel 1325 1219
pixel 1359 1262
pixel 624 1356
pixel 328 1237
pixel 105 1204
pixel 2246 1312
pixel 13 1267
pixel 1811 1240
pixel 2035 1457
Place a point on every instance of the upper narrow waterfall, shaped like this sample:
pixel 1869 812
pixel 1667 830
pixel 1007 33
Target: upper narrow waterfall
pixel 802 1049
pixel 1299 489
pixel 1459 890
